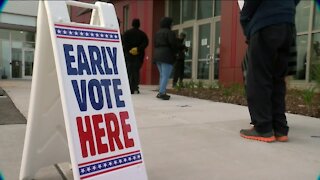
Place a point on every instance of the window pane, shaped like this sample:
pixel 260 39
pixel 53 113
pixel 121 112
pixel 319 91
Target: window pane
pixel 302 16
pixel 23 36
pixel 187 70
pixel 4 34
pixel 217 50
pixel 217 8
pixel 188 10
pixel 5 50
pixel 301 57
pixel 203 70
pixel 316 19
pixel 315 56
pixel 189 41
pixel 204 51
pixel 174 11
pixel 204 9
pixel 188 58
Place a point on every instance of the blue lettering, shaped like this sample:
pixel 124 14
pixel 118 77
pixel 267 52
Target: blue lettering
pixel 95 58
pixel 106 83
pixel 95 84
pixel 104 57
pixel 69 59
pixel 81 96
pixel 118 92
pixel 83 64
pixel 113 57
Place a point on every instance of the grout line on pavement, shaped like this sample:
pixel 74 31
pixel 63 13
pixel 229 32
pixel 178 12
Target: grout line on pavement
pixel 60 172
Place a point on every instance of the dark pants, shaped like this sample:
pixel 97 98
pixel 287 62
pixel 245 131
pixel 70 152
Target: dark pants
pixel 269 53
pixel 178 71
pixel 133 69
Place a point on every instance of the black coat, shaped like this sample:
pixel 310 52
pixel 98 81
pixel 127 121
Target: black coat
pixel 257 14
pixel 165 43
pixel 134 38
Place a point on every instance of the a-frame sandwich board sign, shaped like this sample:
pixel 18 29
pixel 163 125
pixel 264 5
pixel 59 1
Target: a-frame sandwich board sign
pixel 80 104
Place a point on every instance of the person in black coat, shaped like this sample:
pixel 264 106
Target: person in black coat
pixel 134 43
pixel 164 54
pixel 269 26
pixel 179 65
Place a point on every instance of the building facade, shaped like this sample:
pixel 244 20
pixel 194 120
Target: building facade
pixel 17 39
pixel 214 37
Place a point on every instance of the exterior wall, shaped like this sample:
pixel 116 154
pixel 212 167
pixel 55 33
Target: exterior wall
pixel 233 45
pixel 149 20
pixel 144 10
pixel 27 8
pixel 19 15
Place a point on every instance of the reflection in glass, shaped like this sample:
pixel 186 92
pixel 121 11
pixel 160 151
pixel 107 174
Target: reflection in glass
pixel 302 16
pixel 16 62
pixel 316 18
pixel 174 11
pixel 217 50
pixel 28 62
pixel 5 60
pixel 204 56
pixel 203 70
pixel 23 36
pixel 188 41
pixel 188 57
pixel 188 69
pixel 217 7
pixel 204 9
pixel 315 57
pixel 301 57
pixel 188 10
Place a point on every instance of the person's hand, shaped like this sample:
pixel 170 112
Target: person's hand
pixel 134 51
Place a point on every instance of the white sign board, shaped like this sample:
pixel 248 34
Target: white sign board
pixel 95 96
pixel 240 3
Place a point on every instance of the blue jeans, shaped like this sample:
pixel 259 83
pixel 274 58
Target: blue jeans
pixel 165 72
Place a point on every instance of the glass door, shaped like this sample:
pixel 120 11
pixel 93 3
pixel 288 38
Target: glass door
pixel 216 54
pixel 28 56
pixel 188 56
pixel 16 63
pixel 204 51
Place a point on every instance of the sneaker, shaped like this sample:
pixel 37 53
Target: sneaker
pixel 163 96
pixel 281 137
pixel 254 135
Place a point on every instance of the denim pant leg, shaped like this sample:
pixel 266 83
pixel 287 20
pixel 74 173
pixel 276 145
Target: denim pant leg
pixel 165 72
pixel 159 65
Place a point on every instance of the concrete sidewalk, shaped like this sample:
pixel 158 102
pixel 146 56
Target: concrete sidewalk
pixel 189 139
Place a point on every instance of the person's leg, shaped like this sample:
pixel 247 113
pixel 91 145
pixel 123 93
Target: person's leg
pixel 175 74
pixel 136 74
pixel 166 70
pixel 159 65
pixel 279 119
pixel 130 71
pixel 181 71
pixel 262 52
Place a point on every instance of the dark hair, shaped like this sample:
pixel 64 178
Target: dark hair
pixel 136 23
pixel 166 22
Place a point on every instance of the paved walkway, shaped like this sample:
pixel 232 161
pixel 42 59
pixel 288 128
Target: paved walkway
pixel 189 139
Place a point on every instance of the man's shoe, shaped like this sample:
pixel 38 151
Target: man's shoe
pixel 254 135
pixel 281 137
pixel 163 96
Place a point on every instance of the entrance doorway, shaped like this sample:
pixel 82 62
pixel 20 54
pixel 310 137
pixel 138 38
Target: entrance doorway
pixel 22 62
pixel 203 55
